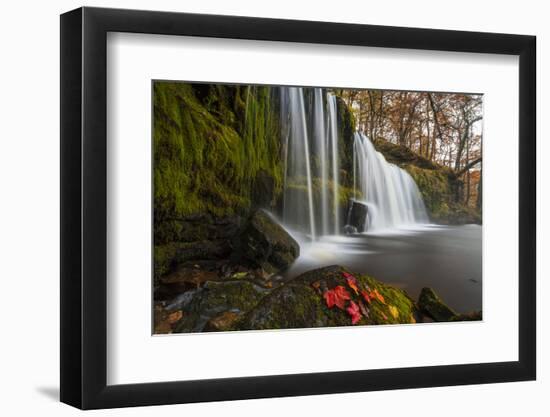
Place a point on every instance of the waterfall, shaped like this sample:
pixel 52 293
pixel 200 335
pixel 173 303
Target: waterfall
pixel 298 166
pixel 311 179
pixel 389 192
pixel 321 150
pixel 333 138
pixel 311 190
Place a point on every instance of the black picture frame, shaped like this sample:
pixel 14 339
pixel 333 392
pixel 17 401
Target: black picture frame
pixel 84 207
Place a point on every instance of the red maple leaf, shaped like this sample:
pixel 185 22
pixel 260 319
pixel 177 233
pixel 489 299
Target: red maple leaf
pixel 341 295
pixel 354 312
pixel 352 282
pixel 366 296
pixel 330 298
pixel 336 297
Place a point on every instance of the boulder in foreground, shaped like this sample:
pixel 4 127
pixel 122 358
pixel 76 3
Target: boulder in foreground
pixel 327 297
pixel 266 244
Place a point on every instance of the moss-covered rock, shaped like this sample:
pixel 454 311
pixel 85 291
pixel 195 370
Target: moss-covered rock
pixel 430 303
pixel 401 155
pixel 212 300
pixel 300 303
pixel 167 258
pixel 265 244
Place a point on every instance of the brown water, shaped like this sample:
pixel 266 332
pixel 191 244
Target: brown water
pixel 446 258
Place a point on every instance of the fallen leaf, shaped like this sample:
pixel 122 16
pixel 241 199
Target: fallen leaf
pixel 366 296
pixel 336 297
pixel 352 282
pixel 330 298
pixel 353 311
pixel 341 296
pixel 175 316
pixel 394 312
pixel 378 296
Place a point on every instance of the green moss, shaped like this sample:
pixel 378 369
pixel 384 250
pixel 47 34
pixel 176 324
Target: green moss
pixel 206 153
pixel 435 188
pixel 345 194
pixel 218 297
pixel 346 131
pixel 401 155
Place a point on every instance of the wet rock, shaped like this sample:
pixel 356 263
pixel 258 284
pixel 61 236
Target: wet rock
pixel 266 244
pixel 430 304
pixel 349 230
pixel 213 299
pixel 357 215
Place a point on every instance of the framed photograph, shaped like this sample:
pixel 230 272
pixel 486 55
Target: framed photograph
pixel 257 208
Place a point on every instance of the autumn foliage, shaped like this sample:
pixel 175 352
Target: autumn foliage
pixel 340 297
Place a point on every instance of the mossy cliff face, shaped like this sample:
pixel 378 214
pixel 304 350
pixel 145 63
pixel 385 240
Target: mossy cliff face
pixel 346 132
pixel 216 156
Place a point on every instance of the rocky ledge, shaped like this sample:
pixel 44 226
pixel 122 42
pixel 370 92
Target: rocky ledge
pixel 326 297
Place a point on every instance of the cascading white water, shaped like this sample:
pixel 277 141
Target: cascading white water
pixel 389 192
pixel 311 179
pixel 298 164
pixel 332 137
pixel 320 149
pixel 311 170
